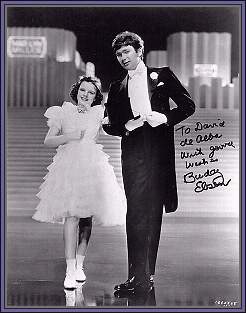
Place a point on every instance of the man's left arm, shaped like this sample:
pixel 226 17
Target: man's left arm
pixel 177 92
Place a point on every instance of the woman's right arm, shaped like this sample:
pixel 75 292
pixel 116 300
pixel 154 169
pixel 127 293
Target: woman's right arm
pixel 53 139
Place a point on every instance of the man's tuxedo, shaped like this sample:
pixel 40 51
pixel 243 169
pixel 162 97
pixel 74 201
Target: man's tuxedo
pixel 148 163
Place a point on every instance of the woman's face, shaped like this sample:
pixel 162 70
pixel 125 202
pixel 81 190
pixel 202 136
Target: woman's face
pixel 86 94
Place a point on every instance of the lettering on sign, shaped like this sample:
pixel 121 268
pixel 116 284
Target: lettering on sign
pixel 27 46
pixel 206 70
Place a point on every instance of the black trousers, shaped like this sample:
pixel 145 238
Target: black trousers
pixel 142 181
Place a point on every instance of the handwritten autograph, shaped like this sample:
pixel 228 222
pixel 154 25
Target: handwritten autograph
pixel 209 153
pixel 220 147
pixel 202 185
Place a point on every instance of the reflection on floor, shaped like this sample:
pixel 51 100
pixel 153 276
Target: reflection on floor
pixel 197 265
pixel 78 298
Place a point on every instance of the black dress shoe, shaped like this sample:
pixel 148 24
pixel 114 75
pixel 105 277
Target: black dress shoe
pixel 130 284
pixel 139 289
pixel 127 285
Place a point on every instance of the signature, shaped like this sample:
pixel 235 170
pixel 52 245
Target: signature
pixel 216 182
pixel 201 185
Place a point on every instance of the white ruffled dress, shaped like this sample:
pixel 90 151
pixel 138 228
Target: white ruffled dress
pixel 80 181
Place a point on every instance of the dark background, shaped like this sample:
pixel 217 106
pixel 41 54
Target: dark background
pixel 95 28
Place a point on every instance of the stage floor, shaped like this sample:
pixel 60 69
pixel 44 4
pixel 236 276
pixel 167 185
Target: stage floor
pixel 197 266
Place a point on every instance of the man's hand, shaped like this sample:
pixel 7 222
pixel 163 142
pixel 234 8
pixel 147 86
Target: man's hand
pixel 155 118
pixel 134 123
pixel 105 120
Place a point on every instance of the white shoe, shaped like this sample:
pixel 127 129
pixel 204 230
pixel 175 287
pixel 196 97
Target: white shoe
pixel 80 275
pixel 70 280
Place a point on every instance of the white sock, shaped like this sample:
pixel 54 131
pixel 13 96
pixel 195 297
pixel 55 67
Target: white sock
pixel 80 260
pixel 71 263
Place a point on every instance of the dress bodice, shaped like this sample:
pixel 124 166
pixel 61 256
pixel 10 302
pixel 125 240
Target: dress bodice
pixel 67 119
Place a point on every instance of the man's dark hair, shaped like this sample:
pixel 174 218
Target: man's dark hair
pixel 127 38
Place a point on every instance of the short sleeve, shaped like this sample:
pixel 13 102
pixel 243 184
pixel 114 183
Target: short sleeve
pixel 54 115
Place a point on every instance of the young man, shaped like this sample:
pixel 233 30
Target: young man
pixel 138 110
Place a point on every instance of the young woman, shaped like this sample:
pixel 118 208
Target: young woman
pixel 80 187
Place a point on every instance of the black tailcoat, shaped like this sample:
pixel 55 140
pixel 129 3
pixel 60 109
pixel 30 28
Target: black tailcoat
pixel 148 161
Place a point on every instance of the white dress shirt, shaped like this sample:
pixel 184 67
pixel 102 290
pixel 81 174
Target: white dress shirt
pixel 138 90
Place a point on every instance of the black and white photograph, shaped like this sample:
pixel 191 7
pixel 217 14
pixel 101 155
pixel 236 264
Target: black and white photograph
pixel 121 155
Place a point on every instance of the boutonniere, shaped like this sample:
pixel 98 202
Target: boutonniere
pixel 153 75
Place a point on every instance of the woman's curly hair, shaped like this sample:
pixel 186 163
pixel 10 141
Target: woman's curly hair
pixel 75 88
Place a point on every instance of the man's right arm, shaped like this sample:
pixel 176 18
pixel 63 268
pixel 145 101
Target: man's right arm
pixel 114 125
pixel 114 129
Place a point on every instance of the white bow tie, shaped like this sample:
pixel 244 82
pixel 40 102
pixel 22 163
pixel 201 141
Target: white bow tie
pixel 139 70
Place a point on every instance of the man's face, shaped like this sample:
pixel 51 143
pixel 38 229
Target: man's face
pixel 128 57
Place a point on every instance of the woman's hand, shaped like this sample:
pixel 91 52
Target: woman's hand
pixel 75 135
pixel 53 139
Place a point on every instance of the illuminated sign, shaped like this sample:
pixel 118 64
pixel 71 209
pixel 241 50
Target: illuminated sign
pixel 90 69
pixel 27 46
pixel 77 59
pixel 206 70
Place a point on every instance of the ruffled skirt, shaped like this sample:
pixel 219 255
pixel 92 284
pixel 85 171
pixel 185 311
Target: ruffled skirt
pixel 81 182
